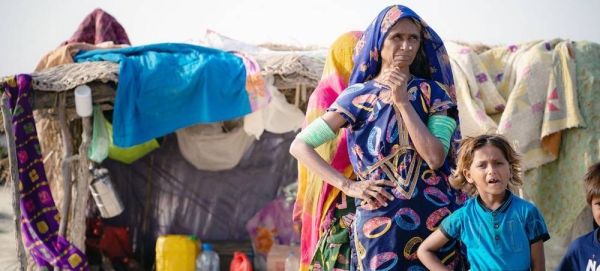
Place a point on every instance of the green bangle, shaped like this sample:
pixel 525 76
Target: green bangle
pixel 316 133
pixel 442 127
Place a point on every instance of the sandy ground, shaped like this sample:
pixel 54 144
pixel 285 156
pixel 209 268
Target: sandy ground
pixel 8 247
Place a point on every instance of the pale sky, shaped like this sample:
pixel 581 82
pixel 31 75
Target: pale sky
pixel 31 28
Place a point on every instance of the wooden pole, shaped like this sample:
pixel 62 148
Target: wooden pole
pixel 297 96
pixel 81 187
pixel 66 170
pixel 66 167
pixel 75 204
pixel 14 177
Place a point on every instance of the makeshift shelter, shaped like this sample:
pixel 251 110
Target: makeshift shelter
pixel 164 193
pixel 200 200
pixel 262 169
pixel 203 202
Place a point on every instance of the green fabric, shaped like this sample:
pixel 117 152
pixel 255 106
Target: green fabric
pixel 333 249
pixel 556 188
pixel 131 154
pixel 98 150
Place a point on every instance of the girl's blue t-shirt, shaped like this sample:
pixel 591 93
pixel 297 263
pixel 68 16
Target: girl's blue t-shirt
pixel 497 239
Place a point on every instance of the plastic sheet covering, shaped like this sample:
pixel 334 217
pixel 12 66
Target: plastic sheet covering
pixel 164 194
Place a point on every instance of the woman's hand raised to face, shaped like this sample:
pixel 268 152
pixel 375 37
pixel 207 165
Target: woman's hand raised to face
pixel 398 82
pixel 371 191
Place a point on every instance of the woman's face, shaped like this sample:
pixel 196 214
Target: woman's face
pixel 401 45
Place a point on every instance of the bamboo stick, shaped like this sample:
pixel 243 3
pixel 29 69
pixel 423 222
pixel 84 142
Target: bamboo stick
pixel 297 96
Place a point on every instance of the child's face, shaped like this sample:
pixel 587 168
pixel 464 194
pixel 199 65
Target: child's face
pixel 489 171
pixel 596 209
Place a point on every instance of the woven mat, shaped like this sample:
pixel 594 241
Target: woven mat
pixel 69 76
pixel 290 70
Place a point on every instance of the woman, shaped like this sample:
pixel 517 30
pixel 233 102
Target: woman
pixel 401 118
pixel 319 205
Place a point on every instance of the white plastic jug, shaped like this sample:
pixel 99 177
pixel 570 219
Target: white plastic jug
pixel 208 260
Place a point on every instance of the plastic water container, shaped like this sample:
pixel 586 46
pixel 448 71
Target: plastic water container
pixel 176 252
pixel 208 259
pixel 83 101
pixel 292 263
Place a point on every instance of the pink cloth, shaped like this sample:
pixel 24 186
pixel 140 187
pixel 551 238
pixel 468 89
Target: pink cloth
pixel 99 27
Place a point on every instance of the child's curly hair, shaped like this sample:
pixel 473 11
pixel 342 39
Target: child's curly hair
pixel 591 182
pixel 466 153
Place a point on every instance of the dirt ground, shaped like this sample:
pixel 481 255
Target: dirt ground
pixel 8 247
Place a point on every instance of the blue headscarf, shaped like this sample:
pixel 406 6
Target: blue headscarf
pixel 367 56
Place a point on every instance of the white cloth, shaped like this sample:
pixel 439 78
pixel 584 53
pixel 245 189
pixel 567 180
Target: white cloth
pixel 209 147
pixel 278 117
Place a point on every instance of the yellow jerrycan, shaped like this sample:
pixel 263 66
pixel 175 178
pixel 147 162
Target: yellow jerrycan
pixel 177 252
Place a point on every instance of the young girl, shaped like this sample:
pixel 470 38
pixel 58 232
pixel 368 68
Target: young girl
pixel 501 231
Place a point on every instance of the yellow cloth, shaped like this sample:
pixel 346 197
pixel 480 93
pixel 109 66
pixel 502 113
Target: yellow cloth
pixel 65 53
pixel 315 197
pixel 477 99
